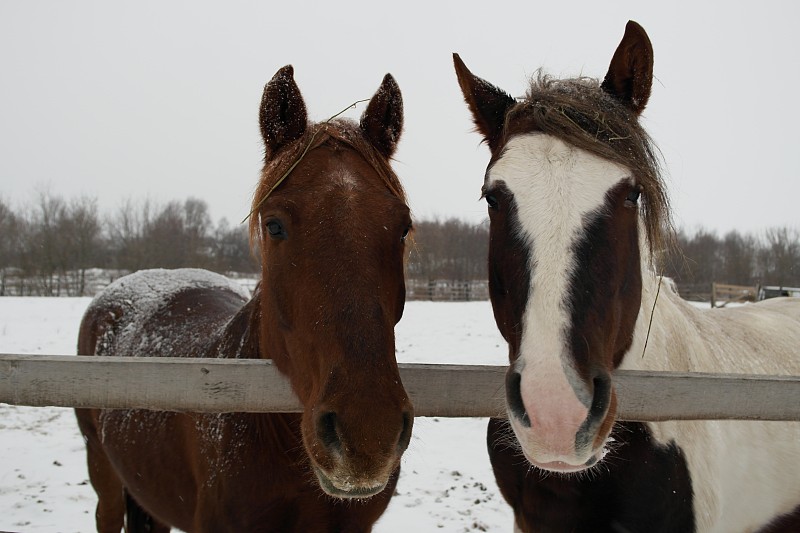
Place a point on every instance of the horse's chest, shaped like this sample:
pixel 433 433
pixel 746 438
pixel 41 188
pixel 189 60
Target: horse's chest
pixel 641 486
pixel 182 464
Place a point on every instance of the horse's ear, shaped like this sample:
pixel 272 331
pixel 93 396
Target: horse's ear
pixel 630 75
pixel 487 103
pixel 282 116
pixel 382 121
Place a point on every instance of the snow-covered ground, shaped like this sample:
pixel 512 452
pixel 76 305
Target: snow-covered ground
pixel 446 482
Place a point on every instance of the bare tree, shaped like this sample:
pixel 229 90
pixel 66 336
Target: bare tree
pixel 779 258
pixel 41 253
pixel 81 244
pixel 177 236
pixel 197 232
pixel 231 249
pixel 126 234
pixel 737 253
pixel 9 244
pixel 697 260
pixel 449 249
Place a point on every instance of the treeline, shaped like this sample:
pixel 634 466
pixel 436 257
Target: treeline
pixel 454 249
pixel 768 258
pixel 50 246
pixel 448 249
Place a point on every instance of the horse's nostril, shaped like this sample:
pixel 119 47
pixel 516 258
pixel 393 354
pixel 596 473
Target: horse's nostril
pixel 327 432
pixel 601 399
pixel 602 395
pixel 514 398
pixel 405 433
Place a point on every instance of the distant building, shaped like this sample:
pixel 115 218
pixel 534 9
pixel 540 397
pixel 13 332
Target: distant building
pixel 773 291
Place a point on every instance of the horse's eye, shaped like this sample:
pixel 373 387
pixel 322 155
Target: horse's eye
pixel 275 230
pixel 405 233
pixel 633 197
pixel 491 200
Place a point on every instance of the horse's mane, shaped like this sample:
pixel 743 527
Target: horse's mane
pixel 341 130
pixel 580 113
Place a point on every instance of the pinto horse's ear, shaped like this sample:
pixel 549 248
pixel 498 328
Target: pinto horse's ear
pixel 630 75
pixel 382 121
pixel 282 116
pixel 487 103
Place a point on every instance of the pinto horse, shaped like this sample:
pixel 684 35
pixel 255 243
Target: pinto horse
pixel 578 212
pixel 331 238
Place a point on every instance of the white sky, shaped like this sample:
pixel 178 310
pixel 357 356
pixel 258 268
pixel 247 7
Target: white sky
pixel 160 100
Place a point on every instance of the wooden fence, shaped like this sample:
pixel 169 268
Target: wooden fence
pixel 447 290
pixel 723 294
pixel 14 282
pixel 218 385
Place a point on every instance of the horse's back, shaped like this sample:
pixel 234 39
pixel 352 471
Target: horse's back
pixel 170 313
pixel 785 309
pixel 743 473
pixel 760 338
pixel 160 313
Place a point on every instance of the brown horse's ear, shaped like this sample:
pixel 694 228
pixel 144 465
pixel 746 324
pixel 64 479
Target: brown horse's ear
pixel 282 116
pixel 630 75
pixel 487 103
pixel 382 121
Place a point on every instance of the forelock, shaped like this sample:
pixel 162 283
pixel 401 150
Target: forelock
pixel 580 113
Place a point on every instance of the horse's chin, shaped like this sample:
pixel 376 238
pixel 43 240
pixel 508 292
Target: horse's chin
pixel 544 457
pixel 562 467
pixel 345 489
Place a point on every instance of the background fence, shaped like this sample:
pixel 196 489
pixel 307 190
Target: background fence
pixel 446 290
pixel 723 294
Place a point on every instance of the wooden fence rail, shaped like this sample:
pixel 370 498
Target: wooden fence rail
pixel 217 385
pixel 723 294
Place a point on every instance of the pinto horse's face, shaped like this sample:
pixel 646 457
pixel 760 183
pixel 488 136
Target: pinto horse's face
pixel 332 239
pixel 564 267
pixel 563 220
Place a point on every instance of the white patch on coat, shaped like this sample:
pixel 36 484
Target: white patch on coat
pixel 744 473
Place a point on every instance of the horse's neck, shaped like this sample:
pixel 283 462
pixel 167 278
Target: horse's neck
pixel 755 339
pixel 668 333
pixel 278 431
pixel 240 336
pixel 241 339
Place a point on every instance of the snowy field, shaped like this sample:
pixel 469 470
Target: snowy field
pixel 446 482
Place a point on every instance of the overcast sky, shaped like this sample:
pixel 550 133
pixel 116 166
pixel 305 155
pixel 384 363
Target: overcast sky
pixel 160 100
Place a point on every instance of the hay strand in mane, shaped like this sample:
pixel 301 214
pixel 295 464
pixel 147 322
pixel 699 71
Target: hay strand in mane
pixel 652 314
pixel 345 131
pixel 297 161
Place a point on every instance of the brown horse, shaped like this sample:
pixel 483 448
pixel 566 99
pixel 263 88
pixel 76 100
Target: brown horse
pixel 578 210
pixel 331 238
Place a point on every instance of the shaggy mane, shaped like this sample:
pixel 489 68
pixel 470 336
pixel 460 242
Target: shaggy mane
pixel 581 114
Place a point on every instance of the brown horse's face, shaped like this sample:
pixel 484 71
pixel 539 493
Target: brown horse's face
pixel 333 238
pixel 564 269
